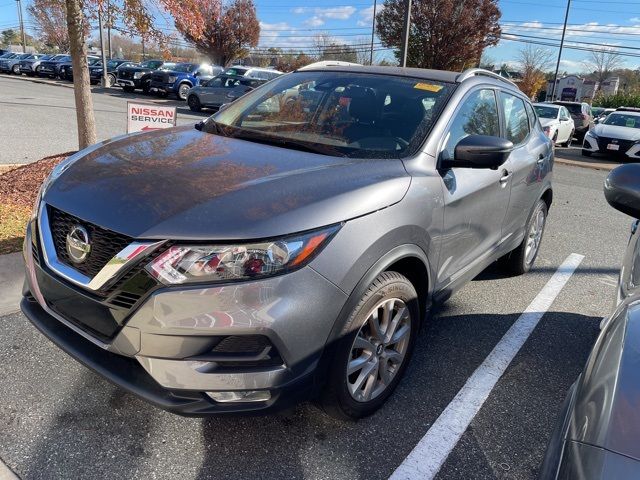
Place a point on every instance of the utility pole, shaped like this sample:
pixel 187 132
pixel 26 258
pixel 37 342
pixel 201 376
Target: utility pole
pixel 405 34
pixel 373 31
pixel 105 78
pixel 109 18
pixel 24 41
pixel 564 29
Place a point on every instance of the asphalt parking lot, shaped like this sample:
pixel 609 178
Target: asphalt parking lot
pixel 28 109
pixel 59 420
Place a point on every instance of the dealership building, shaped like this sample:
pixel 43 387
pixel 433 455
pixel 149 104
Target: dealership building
pixel 573 88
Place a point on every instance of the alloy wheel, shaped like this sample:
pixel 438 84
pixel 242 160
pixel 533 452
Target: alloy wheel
pixel 182 91
pixel 534 237
pixel 379 349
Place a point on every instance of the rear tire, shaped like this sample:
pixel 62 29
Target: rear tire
pixel 586 153
pixel 111 78
pixel 374 349
pixel 521 259
pixel 194 103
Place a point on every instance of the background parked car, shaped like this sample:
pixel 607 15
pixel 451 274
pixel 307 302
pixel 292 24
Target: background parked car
pixel 95 71
pixel 12 64
pixel 598 433
pixel 31 64
pixel 219 90
pixel 556 122
pixel 139 76
pixel 253 72
pixel 617 135
pixel 179 79
pixel 582 117
pixel 66 69
pixel 51 67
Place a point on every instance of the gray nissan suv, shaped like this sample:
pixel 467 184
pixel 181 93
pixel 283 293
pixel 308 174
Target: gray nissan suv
pixel 290 246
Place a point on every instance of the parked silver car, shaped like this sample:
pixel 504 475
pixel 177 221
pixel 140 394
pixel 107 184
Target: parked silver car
pixel 220 90
pixel 31 64
pixel 276 254
pixel 12 64
pixel 598 433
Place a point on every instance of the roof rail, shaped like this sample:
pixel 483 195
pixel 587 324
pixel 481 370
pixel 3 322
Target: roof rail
pixel 473 72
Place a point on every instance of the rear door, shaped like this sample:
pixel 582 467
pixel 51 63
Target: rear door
pixel 530 160
pixel 475 199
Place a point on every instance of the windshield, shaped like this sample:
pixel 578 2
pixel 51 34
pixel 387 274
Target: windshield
pixel 184 67
pixel 546 112
pixel 152 64
pixel 236 71
pixel 344 114
pixel 574 108
pixel 623 120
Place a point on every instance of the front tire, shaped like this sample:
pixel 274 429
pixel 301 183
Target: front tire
pixel 521 259
pixel 567 144
pixel 194 103
pixel 16 70
pixel 374 350
pixel 183 90
pixel 128 89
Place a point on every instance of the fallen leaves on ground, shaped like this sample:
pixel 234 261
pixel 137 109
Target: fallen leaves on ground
pixel 18 190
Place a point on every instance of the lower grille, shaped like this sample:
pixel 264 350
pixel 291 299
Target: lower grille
pixel 105 244
pixel 625 145
pixel 125 75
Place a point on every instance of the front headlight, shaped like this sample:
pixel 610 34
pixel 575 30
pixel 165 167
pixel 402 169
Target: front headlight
pixel 181 264
pixel 172 79
pixel 592 135
pixel 138 75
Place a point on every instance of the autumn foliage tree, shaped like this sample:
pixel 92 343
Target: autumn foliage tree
pixel 533 63
pixel 51 21
pixel 221 32
pixel 444 34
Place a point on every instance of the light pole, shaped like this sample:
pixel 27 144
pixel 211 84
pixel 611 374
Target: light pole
pixel 373 31
pixel 105 78
pixel 564 29
pixel 24 41
pixel 405 34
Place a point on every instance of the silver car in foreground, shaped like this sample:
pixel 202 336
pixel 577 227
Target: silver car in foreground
pixel 598 433
pixel 286 250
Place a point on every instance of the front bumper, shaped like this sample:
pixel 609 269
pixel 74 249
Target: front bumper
pixel 135 83
pixel 626 149
pixel 163 87
pixel 163 350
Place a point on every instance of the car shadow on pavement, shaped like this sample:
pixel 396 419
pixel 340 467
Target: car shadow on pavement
pixel 496 272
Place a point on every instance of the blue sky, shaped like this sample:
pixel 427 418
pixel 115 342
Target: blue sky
pixel 293 23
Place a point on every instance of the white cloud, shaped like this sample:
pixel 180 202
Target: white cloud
pixel 635 20
pixel 299 10
pixel 336 13
pixel 366 15
pixel 314 21
pixel 281 26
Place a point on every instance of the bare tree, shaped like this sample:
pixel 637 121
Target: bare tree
pixel 534 61
pixel 602 62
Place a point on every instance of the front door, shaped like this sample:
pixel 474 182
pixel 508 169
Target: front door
pixel 475 199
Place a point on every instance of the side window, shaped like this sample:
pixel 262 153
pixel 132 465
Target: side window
pixel 533 118
pixel 477 116
pixel 515 116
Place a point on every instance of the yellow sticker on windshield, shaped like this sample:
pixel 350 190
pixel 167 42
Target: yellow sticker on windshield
pixel 429 87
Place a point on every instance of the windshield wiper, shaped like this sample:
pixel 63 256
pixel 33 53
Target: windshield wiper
pixel 288 143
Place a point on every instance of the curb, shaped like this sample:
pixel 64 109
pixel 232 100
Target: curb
pixel 593 166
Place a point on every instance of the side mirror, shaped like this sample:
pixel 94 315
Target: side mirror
pixel 199 126
pixel 479 151
pixel 622 189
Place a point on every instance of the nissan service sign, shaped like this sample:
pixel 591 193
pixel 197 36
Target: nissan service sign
pixel 142 117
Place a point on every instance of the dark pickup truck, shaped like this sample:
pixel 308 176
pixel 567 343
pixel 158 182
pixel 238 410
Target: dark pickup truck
pixel 96 71
pixel 139 76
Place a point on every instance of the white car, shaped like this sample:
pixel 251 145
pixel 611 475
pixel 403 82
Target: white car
pixel 556 122
pixel 618 134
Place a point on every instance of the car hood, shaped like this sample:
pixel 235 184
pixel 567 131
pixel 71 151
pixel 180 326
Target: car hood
pixel 181 183
pixel 614 131
pixel 548 122
pixel 136 69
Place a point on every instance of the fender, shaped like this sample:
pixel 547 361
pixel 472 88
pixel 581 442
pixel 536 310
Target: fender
pixel 397 253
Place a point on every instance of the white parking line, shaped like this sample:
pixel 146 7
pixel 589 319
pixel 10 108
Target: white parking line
pixel 427 457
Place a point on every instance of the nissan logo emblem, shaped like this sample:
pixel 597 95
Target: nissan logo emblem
pixel 78 246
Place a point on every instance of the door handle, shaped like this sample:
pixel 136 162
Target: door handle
pixel 506 175
pixel 540 159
